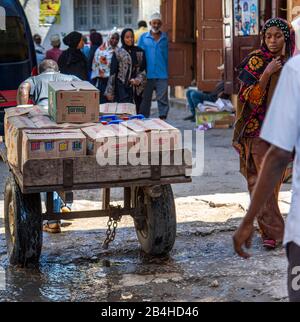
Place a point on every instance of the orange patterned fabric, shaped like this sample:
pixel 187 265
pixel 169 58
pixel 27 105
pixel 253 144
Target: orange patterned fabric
pixel 256 95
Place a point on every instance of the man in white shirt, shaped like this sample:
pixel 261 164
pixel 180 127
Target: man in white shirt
pixel 282 129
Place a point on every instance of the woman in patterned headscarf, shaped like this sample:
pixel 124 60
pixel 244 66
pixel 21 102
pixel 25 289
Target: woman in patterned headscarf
pixel 259 74
pixel 127 72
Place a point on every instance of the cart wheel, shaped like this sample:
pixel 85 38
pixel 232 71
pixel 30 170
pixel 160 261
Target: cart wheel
pixel 156 231
pixel 23 224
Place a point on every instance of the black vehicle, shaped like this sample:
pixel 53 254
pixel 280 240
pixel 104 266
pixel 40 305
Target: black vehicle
pixel 17 54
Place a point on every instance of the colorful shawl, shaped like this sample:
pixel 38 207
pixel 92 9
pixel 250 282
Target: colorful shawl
pixel 253 102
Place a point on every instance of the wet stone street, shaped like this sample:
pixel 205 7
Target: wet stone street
pixel 201 267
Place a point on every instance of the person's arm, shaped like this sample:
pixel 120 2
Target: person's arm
pixel 255 93
pixel 141 76
pixel 272 171
pixel 23 93
pixel 274 66
pixel 110 88
pixel 167 53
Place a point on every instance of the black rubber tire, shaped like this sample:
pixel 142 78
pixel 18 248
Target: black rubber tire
pixel 24 241
pixel 158 232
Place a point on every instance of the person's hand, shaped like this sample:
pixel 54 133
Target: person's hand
pixel 135 82
pixel 243 236
pixel 110 97
pixel 274 66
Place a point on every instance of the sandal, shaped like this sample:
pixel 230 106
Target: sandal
pixel 269 243
pixel 52 228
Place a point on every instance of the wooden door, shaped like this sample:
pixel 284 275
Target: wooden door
pixel 281 9
pixel 229 73
pixel 236 46
pixel 293 7
pixel 178 19
pixel 209 43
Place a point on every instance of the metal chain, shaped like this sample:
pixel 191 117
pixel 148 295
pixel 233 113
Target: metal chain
pixel 111 233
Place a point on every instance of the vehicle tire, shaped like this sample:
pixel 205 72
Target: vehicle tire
pixel 23 225
pixel 156 230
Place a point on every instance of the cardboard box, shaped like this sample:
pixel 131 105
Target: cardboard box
pixel 34 117
pixel 160 136
pixel 52 143
pixel 13 137
pixel 73 102
pixel 31 110
pixel 108 108
pixel 117 108
pixel 114 139
pixel 18 118
pixel 21 110
pixel 216 119
pixel 126 108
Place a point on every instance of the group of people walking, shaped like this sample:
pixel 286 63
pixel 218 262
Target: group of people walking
pixel 126 73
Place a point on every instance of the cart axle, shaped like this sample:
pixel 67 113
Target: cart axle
pixel 112 212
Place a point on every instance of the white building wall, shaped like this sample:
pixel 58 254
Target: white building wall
pixel 66 25
pixel 147 8
pixel 31 7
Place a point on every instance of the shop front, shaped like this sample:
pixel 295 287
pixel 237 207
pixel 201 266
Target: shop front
pixel 206 33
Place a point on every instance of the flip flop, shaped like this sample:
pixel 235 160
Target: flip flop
pixel 269 243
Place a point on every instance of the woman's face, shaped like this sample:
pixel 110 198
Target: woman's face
pixel 114 40
pixel 129 39
pixel 81 44
pixel 274 39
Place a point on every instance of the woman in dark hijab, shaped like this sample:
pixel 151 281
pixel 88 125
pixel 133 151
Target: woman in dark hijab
pixel 127 72
pixel 72 61
pixel 96 41
pixel 259 74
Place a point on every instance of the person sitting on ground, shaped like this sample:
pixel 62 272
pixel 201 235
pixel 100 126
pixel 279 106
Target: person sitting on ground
pixel 194 97
pixel 36 88
pixel 55 52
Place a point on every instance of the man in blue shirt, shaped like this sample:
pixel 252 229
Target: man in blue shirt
pixel 155 45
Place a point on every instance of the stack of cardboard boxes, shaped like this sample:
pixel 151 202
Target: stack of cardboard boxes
pixel 72 128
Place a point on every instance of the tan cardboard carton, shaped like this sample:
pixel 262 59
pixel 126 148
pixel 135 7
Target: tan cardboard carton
pixel 32 117
pixel 161 136
pixel 126 108
pixel 108 108
pixel 18 118
pixel 13 137
pixel 52 143
pixel 73 102
pixel 113 139
pixel 32 110
pixel 117 108
pixel 21 110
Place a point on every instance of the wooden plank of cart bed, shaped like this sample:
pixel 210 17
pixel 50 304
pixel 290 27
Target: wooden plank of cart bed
pixel 86 170
pixel 86 186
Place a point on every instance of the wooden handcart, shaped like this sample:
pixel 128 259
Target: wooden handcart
pixel 148 199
